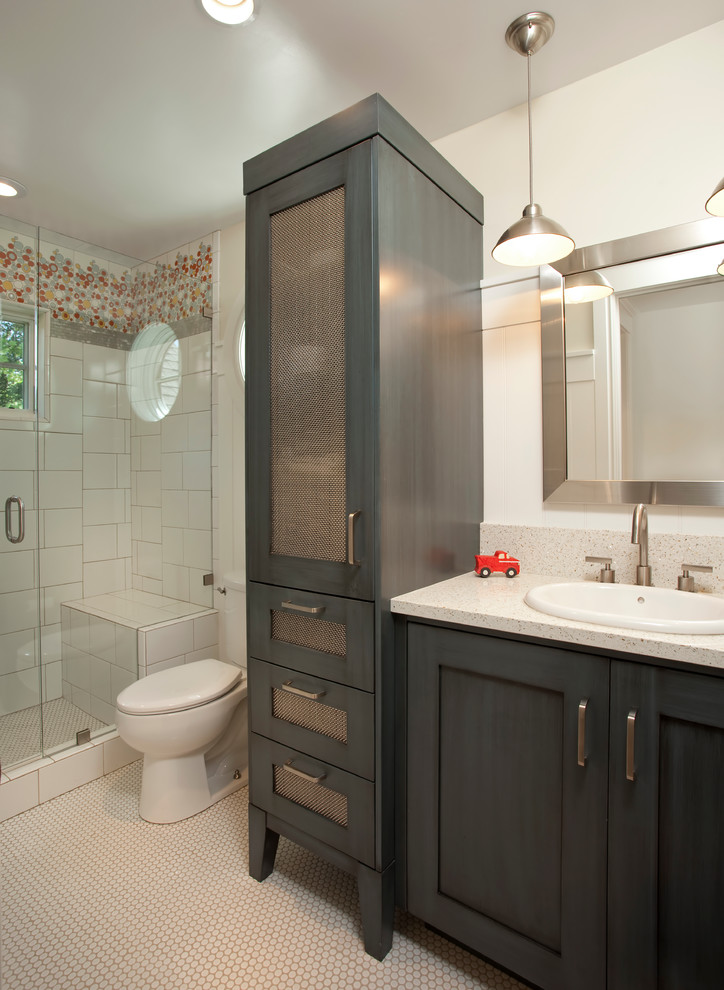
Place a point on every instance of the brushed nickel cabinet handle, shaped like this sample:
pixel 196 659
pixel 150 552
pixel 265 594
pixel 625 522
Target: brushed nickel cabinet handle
pixel 312 695
pixel 630 734
pixel 309 610
pixel 310 778
pixel 582 708
pixel 350 538
pixel 9 503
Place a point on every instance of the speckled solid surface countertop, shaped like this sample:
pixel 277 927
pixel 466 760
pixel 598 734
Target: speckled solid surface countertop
pixel 496 604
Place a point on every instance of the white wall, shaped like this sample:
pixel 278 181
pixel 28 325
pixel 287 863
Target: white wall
pixel 638 147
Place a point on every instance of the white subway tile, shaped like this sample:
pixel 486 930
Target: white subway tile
pixel 52 681
pixel 99 470
pixel 100 680
pixel 18 573
pixel 20 484
pixel 18 610
pixel 176 582
pixel 17 447
pixel 18 651
pixel 66 415
pixel 19 689
pixel 66 376
pixel 173 545
pixel 126 647
pixel 103 506
pixel 197 470
pixel 18 795
pixel 63 452
pixel 63 527
pixel 175 508
pixel 200 510
pixel 99 543
pixel 168 641
pixel 101 577
pixel 60 489
pixel 197 549
pixel 102 638
pixel 196 392
pixel 70 772
pixel 99 399
pixel 104 364
pixel 148 488
pixel 103 435
pixel 171 471
pixel 53 597
pixel 60 564
pixel 174 434
pixel 199 431
pixel 123 470
pixel 206 631
pixel 150 562
pixel 150 453
pixel 120 679
pixel 151 529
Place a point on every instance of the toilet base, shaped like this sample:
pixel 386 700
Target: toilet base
pixel 178 788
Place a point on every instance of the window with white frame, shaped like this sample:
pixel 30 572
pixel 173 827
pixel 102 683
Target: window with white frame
pixel 21 356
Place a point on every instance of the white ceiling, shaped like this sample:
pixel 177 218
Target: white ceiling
pixel 129 120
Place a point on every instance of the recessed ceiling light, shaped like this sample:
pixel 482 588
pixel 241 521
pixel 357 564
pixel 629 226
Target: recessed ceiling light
pixel 230 11
pixel 9 187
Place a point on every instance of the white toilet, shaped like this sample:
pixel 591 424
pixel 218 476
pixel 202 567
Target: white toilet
pixel 190 723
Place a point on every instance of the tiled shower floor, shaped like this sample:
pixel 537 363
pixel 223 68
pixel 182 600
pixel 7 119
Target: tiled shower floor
pixel 20 731
pixel 93 898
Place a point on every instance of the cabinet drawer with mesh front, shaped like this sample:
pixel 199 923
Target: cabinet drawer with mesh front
pixel 327 720
pixel 322 635
pixel 334 806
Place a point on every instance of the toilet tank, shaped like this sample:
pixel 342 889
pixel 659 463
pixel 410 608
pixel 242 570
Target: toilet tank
pixel 232 619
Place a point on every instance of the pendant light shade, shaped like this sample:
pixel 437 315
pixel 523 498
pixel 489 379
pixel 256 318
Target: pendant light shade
pixel 534 239
pixel 715 203
pixel 583 287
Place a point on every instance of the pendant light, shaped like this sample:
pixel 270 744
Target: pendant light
pixel 715 203
pixel 534 239
pixel 583 287
pixel 230 11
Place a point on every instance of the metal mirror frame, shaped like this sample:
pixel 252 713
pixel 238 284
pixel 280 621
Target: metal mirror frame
pixel 557 487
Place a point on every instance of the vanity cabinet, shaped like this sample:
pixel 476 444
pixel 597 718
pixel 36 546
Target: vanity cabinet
pixel 363 397
pixel 527 838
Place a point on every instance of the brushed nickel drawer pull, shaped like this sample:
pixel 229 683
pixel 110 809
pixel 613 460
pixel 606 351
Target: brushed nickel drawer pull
pixel 350 538
pixel 310 778
pixel 308 609
pixel 582 708
pixel 630 733
pixel 312 695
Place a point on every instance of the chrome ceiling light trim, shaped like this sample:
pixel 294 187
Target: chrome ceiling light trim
pixel 11 187
pixel 715 203
pixel 231 12
pixel 583 287
pixel 535 239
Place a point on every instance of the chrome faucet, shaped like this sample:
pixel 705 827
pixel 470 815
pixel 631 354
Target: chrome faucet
pixel 640 536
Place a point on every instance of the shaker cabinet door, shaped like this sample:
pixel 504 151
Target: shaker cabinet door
pixel 666 856
pixel 507 755
pixel 310 307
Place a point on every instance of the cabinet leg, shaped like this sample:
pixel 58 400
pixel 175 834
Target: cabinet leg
pixel 262 845
pixel 377 907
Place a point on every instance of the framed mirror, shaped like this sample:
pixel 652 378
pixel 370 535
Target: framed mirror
pixel 633 384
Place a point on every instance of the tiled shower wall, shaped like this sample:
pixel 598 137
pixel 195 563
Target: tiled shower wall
pixel 171 482
pixel 84 543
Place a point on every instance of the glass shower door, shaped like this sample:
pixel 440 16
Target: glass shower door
pixel 20 353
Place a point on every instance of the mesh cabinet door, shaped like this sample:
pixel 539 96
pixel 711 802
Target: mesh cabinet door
pixel 310 360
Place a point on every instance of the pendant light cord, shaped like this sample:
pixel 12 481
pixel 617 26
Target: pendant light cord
pixel 529 56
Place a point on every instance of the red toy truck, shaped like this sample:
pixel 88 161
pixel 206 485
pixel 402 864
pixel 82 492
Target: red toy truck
pixel 500 561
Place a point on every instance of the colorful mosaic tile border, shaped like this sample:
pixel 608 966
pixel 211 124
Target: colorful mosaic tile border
pixel 88 293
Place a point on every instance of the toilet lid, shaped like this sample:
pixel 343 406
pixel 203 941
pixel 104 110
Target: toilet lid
pixel 178 688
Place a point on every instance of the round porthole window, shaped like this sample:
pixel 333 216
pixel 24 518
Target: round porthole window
pixel 154 372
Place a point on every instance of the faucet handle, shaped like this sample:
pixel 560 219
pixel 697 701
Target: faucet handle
pixel 606 575
pixel 686 582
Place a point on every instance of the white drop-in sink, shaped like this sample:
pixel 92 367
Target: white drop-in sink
pixel 633 607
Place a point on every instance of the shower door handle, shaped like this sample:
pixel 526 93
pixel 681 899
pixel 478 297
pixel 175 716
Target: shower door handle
pixel 9 502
